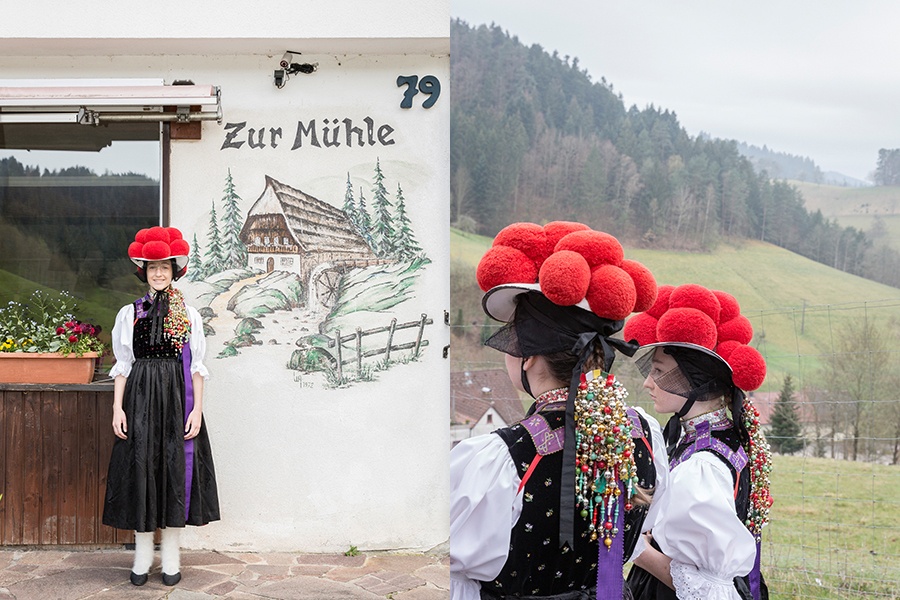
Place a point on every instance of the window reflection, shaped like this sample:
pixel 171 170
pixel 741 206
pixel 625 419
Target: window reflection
pixel 68 210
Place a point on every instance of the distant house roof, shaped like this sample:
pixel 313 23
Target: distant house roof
pixel 472 393
pixel 765 403
pixel 316 226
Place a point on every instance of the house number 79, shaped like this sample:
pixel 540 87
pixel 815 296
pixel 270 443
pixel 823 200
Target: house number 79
pixel 427 85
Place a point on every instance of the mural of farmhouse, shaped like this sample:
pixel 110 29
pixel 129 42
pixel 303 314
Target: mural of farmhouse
pixel 318 287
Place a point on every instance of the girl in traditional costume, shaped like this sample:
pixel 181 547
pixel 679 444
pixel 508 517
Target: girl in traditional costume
pixel 705 539
pixel 549 508
pixel 161 473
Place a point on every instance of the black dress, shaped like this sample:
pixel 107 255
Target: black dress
pixel 146 486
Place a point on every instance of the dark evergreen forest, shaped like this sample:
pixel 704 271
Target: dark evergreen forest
pixel 535 138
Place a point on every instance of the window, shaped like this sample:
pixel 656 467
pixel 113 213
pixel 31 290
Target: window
pixel 490 419
pixel 71 198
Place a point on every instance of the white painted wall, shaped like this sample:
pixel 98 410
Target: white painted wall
pixel 300 467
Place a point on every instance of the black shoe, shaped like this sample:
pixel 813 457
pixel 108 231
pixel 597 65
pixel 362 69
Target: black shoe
pixel 138 579
pixel 170 579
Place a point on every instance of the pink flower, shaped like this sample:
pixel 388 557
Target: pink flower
pixel 60 330
pixel 78 329
pixel 73 338
pixel 70 325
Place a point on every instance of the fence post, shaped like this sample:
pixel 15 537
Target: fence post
pixel 419 337
pixel 340 367
pixel 359 350
pixel 387 351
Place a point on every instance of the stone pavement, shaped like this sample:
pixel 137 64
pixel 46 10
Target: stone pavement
pixel 55 574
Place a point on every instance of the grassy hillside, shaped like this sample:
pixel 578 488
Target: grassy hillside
pixel 796 305
pixel 856 207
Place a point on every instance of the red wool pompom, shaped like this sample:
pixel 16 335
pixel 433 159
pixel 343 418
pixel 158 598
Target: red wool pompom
pixel 155 250
pixel 502 264
pixel 179 247
pixel 565 277
pixel 556 230
pixel 597 247
pixel 174 234
pixel 141 236
pixel 749 368
pixel 687 325
pixel 640 327
pixel 696 296
pixel 157 234
pixel 644 284
pixel 729 304
pixel 662 301
pixel 527 238
pixel 738 329
pixel 724 349
pixel 136 250
pixel 611 293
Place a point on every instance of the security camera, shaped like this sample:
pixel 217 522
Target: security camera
pixel 286 60
pixel 279 78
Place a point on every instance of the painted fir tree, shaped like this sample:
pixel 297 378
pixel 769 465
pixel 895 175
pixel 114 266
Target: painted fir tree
pixel 364 225
pixel 786 436
pixel 405 245
pixel 349 207
pixel 213 259
pixel 234 252
pixel 195 263
pixel 382 223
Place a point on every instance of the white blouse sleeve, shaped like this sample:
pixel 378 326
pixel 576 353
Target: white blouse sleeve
pixel 661 464
pixel 698 529
pixel 485 503
pixel 198 343
pixel 122 342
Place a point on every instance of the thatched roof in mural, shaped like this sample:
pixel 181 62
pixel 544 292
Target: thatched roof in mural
pixel 315 226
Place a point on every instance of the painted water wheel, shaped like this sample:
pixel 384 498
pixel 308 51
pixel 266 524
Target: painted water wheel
pixel 327 285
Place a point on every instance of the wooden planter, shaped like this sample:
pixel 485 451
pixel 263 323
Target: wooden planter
pixel 25 367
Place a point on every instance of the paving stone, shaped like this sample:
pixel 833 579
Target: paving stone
pixel 387 582
pixel 351 573
pixel 223 588
pixel 310 570
pixel 245 557
pixel 179 593
pixel 423 593
pixel 8 577
pixel 42 557
pixel 437 575
pixel 119 559
pixel 68 585
pixel 21 568
pixel 313 588
pixel 199 580
pixel 207 557
pixel 270 572
pixel 230 570
pixel 338 560
pixel 400 562
pixel 278 558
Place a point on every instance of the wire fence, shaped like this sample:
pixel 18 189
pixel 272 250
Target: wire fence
pixel 835 525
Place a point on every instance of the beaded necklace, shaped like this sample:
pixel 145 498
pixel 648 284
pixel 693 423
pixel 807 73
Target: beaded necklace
pixel 760 465
pixel 549 399
pixel 605 453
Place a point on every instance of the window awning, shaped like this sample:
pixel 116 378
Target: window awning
pixel 98 104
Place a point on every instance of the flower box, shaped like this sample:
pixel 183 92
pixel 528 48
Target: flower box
pixel 41 367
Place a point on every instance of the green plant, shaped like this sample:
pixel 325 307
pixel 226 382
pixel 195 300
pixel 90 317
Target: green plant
pixel 353 551
pixel 47 323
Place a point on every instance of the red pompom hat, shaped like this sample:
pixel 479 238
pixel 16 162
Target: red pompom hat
pixel 570 264
pixel 160 243
pixel 709 321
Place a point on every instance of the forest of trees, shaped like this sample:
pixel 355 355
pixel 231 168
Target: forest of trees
pixel 781 165
pixel 533 136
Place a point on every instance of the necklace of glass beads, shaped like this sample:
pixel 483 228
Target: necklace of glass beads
pixel 760 465
pixel 605 453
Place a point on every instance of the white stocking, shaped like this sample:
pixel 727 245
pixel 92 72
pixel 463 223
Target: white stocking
pixel 170 550
pixel 143 552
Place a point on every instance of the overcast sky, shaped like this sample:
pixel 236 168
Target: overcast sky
pixel 806 77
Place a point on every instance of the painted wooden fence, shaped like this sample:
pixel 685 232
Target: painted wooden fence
pixel 357 337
